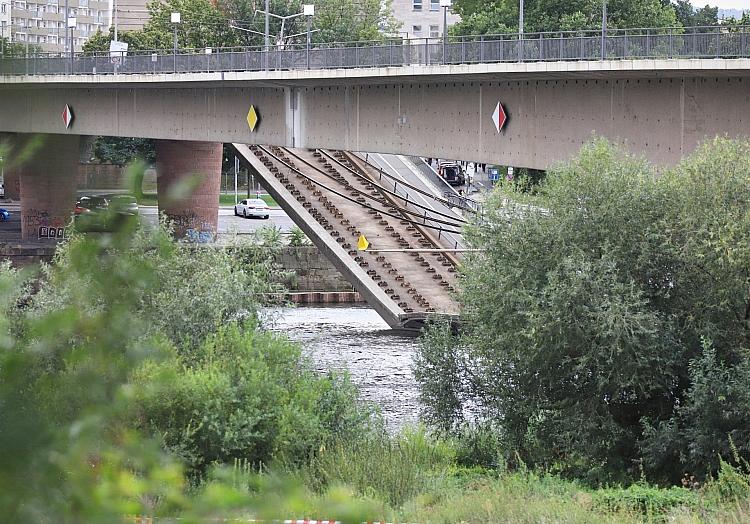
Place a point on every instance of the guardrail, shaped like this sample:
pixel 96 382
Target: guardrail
pixel 615 44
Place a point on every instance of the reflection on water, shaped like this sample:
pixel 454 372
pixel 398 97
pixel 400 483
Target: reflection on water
pixel 357 339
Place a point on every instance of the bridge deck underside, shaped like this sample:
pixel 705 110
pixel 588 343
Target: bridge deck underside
pixel 347 204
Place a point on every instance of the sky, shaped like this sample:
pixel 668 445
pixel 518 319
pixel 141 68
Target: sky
pixel 723 4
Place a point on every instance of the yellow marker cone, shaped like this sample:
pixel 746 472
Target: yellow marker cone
pixel 362 243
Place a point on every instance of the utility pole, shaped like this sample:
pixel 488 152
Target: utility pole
pixel 445 4
pixel 520 30
pixel 604 29
pixel 67 14
pixel 268 29
pixel 236 172
pixel 175 18
pixel 114 7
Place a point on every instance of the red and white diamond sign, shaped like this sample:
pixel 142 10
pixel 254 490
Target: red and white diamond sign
pixel 67 116
pixel 499 117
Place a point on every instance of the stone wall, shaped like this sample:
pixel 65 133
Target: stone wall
pixel 312 271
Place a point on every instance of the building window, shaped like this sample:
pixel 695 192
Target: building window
pixel 434 5
pixel 416 30
pixel 417 5
pixel 434 31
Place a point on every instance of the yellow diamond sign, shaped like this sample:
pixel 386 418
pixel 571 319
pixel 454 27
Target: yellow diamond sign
pixel 253 118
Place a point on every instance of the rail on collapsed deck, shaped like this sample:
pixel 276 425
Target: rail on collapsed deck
pixel 334 203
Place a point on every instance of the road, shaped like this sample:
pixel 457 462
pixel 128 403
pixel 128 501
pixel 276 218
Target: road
pixel 230 224
pixel 10 231
pixel 401 168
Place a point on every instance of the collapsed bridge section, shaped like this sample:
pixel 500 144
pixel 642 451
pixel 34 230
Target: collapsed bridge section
pixel 407 273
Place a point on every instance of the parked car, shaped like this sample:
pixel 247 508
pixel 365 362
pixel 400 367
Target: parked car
pixel 4 214
pixel 2 189
pixel 252 207
pixel 104 212
pixel 452 173
pixel 90 204
pixel 123 204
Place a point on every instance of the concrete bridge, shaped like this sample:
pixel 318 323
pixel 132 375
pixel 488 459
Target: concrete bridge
pixel 526 103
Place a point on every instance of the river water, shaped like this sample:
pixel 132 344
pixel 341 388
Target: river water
pixel 356 339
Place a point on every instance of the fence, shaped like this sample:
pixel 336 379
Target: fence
pixel 696 42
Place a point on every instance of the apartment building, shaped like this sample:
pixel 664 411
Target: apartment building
pixel 5 18
pixel 42 22
pixel 421 18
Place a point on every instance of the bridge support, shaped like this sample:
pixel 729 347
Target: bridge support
pixel 188 178
pixel 47 183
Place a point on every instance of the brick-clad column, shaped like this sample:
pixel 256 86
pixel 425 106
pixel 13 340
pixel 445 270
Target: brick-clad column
pixel 10 175
pixel 47 185
pixel 12 183
pixel 195 216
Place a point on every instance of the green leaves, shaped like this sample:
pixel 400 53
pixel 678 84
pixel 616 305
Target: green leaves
pixel 584 312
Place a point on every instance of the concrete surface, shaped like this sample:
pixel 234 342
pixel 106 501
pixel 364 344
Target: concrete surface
pixel 661 109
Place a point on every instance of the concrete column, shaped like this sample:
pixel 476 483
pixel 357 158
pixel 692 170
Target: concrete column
pixel 183 165
pixel 47 169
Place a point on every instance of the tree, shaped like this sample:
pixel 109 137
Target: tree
pixel 123 151
pixel 587 319
pixel 552 15
pixel 10 49
pixel 689 16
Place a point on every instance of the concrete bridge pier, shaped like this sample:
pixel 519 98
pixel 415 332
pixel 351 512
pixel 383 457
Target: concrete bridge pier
pixel 188 180
pixel 47 168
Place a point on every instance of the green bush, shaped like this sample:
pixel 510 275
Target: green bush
pixel 245 395
pixel 192 290
pixel 585 317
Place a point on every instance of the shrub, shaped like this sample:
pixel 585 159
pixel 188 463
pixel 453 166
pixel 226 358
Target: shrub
pixel 245 395
pixel 583 317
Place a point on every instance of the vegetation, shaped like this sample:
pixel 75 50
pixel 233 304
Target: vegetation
pixel 501 16
pixel 608 327
pixel 607 354
pixel 210 24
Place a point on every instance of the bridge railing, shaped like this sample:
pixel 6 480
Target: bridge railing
pixel 615 44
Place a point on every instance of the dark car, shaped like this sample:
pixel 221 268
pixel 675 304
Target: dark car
pixel 4 214
pixel 452 173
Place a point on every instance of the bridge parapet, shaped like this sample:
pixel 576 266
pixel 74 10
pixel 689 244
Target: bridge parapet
pixel 615 44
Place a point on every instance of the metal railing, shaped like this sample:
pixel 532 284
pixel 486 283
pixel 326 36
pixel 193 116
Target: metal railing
pixel 618 44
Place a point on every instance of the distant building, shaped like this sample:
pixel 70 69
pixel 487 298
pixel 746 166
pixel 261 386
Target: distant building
pixel 42 22
pixel 5 18
pixel 421 18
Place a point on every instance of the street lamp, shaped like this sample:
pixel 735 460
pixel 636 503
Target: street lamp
pixel 175 19
pixel 309 11
pixel 72 23
pixel 445 4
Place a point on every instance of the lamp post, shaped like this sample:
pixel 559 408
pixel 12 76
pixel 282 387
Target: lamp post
pixel 309 11
pixel 265 44
pixel 520 30
pixel 72 23
pixel 604 29
pixel 175 19
pixel 445 4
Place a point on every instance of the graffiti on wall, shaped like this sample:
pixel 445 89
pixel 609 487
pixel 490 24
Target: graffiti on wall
pixel 52 232
pixel 193 227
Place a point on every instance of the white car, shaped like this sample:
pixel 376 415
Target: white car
pixel 253 207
